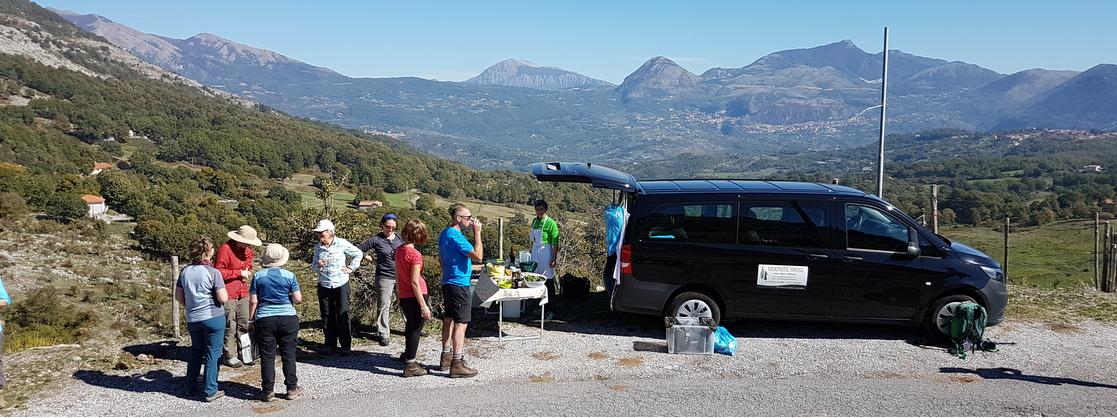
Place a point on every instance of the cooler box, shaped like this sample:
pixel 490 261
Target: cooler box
pixel 686 335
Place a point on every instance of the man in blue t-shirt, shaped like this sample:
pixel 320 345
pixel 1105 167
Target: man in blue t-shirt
pixel 457 255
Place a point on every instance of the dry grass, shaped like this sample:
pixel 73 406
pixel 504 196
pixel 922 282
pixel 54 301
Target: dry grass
pixel 1061 305
pixel 545 355
pixel 597 355
pixel 630 362
pixel 545 377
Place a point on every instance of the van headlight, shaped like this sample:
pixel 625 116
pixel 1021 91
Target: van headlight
pixel 994 273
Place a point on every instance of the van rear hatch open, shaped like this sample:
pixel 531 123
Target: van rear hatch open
pixel 596 175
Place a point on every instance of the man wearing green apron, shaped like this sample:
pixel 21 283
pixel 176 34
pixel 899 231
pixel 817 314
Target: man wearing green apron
pixel 544 245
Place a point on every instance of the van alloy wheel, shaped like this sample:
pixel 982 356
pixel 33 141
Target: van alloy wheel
pixel 694 308
pixel 937 323
pixel 942 317
pixel 693 304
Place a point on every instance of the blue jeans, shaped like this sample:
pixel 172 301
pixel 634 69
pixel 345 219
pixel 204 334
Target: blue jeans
pixel 207 338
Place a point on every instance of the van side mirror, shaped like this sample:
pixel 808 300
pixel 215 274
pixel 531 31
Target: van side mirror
pixel 913 243
pixel 913 250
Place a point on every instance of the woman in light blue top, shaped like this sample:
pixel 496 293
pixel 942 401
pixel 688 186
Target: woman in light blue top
pixel 274 292
pixel 201 290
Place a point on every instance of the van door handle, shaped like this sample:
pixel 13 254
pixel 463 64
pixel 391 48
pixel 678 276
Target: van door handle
pixel 817 256
pixel 852 259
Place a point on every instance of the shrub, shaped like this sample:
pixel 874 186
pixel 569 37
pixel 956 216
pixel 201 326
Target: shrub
pixel 12 205
pixel 43 318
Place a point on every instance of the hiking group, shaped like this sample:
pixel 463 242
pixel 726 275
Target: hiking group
pixel 225 300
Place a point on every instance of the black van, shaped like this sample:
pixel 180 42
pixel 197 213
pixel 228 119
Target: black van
pixel 773 249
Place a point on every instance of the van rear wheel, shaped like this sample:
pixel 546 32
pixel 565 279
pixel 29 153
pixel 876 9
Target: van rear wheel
pixel 695 305
pixel 937 324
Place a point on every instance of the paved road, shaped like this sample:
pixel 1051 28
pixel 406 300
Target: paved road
pixel 782 369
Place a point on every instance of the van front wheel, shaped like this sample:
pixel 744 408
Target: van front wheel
pixel 937 324
pixel 695 305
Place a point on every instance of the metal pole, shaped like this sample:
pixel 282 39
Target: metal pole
pixel 1005 266
pixel 935 208
pixel 500 249
pixel 883 118
pixel 175 315
pixel 1097 274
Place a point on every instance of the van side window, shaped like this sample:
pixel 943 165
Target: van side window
pixel 785 224
pixel 706 222
pixel 871 229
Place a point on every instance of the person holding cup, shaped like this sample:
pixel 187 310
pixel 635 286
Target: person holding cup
pixel 457 255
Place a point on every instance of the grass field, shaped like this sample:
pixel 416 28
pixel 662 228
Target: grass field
pixel 1060 254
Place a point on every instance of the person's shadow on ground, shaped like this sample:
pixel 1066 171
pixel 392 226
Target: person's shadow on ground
pixel 158 381
pixel 376 363
pixel 1015 374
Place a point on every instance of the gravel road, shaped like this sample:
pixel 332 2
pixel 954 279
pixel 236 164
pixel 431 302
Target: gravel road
pixel 613 368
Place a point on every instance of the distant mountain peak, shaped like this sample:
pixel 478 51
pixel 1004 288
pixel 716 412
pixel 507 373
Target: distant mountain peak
pixel 520 73
pixel 658 77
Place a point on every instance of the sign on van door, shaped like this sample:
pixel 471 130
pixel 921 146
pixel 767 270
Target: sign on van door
pixel 773 275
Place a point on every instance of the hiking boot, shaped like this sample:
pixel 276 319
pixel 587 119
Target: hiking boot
pixel 266 396
pixel 215 396
pixel 231 362
pixel 458 368
pixel 293 393
pixel 444 364
pixel 414 369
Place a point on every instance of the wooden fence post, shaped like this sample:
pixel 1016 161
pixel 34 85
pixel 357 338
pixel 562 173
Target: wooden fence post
pixel 935 208
pixel 175 314
pixel 1005 266
pixel 1097 235
pixel 1107 261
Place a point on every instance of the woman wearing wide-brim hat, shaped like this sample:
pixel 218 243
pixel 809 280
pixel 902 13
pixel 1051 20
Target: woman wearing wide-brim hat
pixel 276 325
pixel 234 261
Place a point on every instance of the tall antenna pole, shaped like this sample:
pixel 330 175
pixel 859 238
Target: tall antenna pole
pixel 883 113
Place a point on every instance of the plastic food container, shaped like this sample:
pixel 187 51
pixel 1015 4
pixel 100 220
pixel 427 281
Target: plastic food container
pixel 687 335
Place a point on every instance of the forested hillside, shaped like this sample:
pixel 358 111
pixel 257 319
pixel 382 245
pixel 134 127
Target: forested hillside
pixel 179 151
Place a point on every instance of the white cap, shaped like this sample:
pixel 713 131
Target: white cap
pixel 324 225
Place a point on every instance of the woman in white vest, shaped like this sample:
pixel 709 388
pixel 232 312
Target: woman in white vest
pixel 544 244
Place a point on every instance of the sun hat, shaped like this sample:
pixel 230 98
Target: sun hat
pixel 247 235
pixel 274 256
pixel 324 225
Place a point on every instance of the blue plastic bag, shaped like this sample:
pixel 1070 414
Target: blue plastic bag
pixel 724 342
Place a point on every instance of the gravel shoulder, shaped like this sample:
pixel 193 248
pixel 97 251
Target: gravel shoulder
pixel 613 368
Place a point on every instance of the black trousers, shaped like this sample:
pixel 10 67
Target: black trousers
pixel 607 274
pixel 280 332
pixel 334 305
pixel 413 330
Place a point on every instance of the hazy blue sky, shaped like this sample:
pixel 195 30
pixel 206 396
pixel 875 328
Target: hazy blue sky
pixel 609 39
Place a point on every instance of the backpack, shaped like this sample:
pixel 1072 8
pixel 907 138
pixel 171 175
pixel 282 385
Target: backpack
pixel 967 330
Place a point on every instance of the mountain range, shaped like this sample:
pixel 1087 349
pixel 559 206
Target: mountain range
pixel 516 112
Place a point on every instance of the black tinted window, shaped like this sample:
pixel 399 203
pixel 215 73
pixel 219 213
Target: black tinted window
pixel 785 224
pixel 871 229
pixel 713 222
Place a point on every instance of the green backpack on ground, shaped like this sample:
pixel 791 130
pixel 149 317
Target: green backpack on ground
pixel 967 330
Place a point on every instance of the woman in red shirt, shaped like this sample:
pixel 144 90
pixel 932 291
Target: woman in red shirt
pixel 412 291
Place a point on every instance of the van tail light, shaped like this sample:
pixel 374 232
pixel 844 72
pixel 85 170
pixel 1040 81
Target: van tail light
pixel 626 259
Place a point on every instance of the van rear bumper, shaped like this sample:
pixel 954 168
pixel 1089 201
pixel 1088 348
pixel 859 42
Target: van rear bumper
pixel 639 297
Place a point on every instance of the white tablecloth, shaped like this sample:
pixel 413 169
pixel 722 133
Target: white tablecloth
pixel 488 291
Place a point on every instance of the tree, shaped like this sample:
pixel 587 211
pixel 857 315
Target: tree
pixel 425 202
pixel 66 205
pixel 947 216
